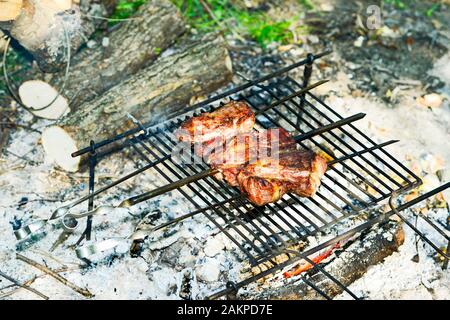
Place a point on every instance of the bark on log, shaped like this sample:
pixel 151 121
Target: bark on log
pixel 136 44
pixel 44 26
pixel 150 95
pixel 349 266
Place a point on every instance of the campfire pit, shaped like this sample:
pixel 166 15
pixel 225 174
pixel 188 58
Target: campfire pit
pixel 349 200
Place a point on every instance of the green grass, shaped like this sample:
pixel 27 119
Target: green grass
pixel 15 61
pixel 429 13
pixel 125 8
pixel 397 3
pixel 252 24
pixel 407 4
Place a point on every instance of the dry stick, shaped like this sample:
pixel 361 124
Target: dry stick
pixel 84 292
pixel 17 283
pixel 29 282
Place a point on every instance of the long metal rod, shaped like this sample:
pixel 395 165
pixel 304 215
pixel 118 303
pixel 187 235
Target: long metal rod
pixel 62 210
pixel 169 187
pixel 361 227
pixel 208 101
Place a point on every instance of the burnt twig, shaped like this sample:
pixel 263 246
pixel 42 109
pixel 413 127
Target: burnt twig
pixel 24 285
pixel 84 292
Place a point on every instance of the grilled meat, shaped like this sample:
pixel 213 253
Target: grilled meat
pixel 230 156
pixel 261 191
pixel 268 179
pixel 265 165
pixel 236 117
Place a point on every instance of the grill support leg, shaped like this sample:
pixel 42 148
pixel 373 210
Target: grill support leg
pixel 92 163
pixel 445 264
pixel 307 71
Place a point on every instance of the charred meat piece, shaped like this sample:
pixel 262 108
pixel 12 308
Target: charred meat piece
pixel 230 156
pixel 234 118
pixel 268 179
pixel 261 191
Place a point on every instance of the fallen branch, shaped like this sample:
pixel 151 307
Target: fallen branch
pixel 84 292
pixel 29 282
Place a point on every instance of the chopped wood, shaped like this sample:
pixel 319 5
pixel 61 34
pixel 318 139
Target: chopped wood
pixel 151 95
pixel 367 250
pixel 84 292
pixel 43 100
pixel 136 44
pixel 46 28
pixel 24 285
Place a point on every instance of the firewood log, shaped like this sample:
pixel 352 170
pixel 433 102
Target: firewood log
pixel 150 95
pixel 136 44
pixel 45 27
pixel 367 250
pixel 10 9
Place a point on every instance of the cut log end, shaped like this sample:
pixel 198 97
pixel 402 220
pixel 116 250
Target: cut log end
pixel 58 146
pixel 37 94
pixel 10 9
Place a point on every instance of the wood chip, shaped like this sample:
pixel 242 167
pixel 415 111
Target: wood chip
pixel 432 100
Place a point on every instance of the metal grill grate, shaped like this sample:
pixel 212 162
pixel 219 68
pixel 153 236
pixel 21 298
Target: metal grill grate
pixel 263 233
